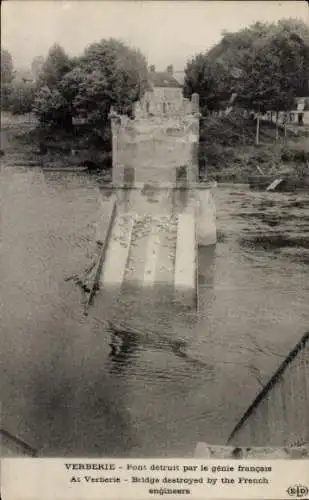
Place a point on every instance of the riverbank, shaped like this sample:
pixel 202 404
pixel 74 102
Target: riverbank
pixel 25 142
pixel 228 152
pixel 227 149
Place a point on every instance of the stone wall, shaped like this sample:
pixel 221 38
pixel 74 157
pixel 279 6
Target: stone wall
pixel 162 100
pixel 151 149
pixel 162 151
pixel 279 415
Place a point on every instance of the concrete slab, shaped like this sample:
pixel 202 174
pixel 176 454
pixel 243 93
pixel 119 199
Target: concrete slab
pixel 136 262
pixel 117 251
pixel 185 262
pixel 166 260
pixel 206 218
pixel 105 219
pixel 152 254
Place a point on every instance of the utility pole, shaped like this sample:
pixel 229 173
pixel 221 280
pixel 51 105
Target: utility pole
pixel 257 127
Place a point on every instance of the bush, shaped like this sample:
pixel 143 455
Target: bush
pixel 301 156
pixel 287 155
pixel 22 97
pixel 51 108
pixel 297 152
pixel 212 155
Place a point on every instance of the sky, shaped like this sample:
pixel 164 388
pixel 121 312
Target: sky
pixel 167 32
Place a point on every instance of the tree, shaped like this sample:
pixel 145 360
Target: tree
pixel 274 73
pixel 7 76
pixel 37 67
pixel 22 96
pixel 7 70
pixel 299 32
pixel 50 105
pixel 236 51
pixel 108 74
pixel 87 95
pixel 268 64
pixel 52 109
pixel 119 76
pixel 209 80
pixel 56 65
pixel 233 47
pixel 295 26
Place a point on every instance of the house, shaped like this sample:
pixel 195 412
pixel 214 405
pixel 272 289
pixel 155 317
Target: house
pixel 302 114
pixel 299 115
pixel 164 96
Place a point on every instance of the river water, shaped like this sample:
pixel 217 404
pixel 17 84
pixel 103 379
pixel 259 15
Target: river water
pixel 62 391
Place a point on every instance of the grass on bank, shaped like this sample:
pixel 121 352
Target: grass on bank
pixel 54 147
pixel 227 148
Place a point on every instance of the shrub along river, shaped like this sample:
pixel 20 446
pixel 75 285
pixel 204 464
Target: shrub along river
pixel 62 391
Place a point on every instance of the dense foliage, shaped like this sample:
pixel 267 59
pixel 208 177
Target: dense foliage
pixel 267 65
pixel 209 80
pixel 17 88
pixel 7 76
pixel 53 69
pixel 37 67
pixel 107 74
pixel 22 96
pixel 262 67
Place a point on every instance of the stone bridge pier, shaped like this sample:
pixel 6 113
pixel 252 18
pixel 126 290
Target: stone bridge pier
pixel 155 185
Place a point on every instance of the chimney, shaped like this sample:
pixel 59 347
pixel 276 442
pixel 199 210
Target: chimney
pixel 170 69
pixel 152 68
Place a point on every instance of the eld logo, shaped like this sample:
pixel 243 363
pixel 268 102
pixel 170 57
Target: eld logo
pixel 298 491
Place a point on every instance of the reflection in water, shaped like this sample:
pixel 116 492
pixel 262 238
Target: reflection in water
pixel 125 345
pixel 66 391
pixel 206 265
pixel 123 350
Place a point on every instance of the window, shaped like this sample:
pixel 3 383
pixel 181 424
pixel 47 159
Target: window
pixel 147 106
pixel 164 107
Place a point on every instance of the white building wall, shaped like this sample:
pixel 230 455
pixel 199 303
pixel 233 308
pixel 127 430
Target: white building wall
pixel 160 100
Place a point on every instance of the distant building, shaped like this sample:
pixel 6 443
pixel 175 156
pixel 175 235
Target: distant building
pixel 299 115
pixel 164 96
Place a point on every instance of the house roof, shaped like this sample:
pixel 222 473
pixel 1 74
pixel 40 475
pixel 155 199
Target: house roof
pixel 163 79
pixel 180 77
